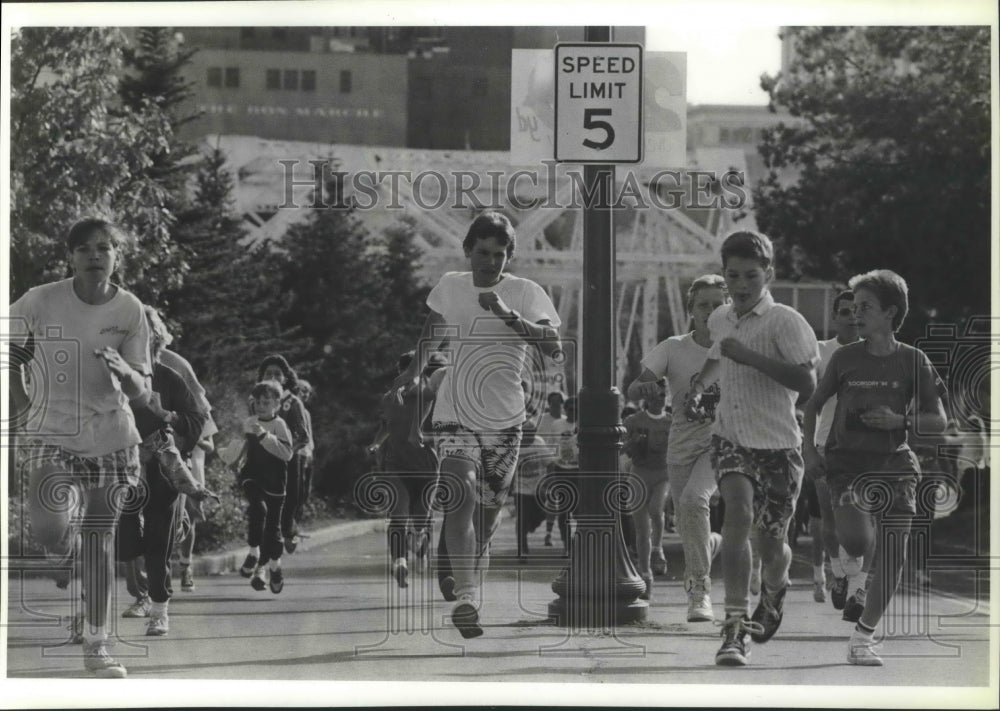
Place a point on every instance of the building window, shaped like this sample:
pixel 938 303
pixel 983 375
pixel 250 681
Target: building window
pixel 479 86
pixel 308 80
pixel 273 80
pixel 232 77
pixel 345 81
pixel 214 76
pixel 291 79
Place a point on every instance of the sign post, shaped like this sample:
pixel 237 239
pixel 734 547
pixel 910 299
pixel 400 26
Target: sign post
pixel 598 122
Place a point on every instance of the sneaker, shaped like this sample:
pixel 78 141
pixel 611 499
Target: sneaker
pixel 699 601
pixel 838 593
pixel 647 592
pixel 277 582
pixel 158 625
pixel 768 614
pixel 75 628
pixel 819 591
pixel 465 617
pixel 447 586
pixel 755 581
pixel 714 546
pixel 400 573
pixel 855 606
pixel 187 579
pixel 658 564
pixel 139 608
pixel 99 663
pixel 735 649
pixel 259 579
pixel 861 651
pixel 249 565
pixel 291 543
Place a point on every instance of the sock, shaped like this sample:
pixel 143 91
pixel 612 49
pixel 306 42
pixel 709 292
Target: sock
pixel 819 574
pixel 399 563
pixel 274 564
pixel 838 568
pixel 185 562
pixel 255 551
pixel 852 565
pixel 737 612
pixel 157 608
pixel 864 630
pixel 95 634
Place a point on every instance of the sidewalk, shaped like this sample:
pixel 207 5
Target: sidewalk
pixel 229 560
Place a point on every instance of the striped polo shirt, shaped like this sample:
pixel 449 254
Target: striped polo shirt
pixel 755 411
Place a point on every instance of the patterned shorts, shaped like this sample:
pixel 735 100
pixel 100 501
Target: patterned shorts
pixel 494 455
pixel 878 483
pixel 776 475
pixel 120 467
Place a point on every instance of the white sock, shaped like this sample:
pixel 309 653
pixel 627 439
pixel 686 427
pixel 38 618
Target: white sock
pixel 838 568
pixel 255 551
pixel 819 574
pixel 273 565
pixel 95 634
pixel 157 608
pixel 856 584
pixel 399 563
pixel 852 565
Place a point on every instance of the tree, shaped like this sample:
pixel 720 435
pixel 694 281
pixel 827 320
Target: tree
pixel 354 299
pixel 891 142
pixel 75 152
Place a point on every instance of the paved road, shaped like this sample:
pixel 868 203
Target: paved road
pixel 339 618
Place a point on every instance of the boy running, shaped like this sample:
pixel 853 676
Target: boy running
pixel 765 355
pixel 489 319
pixel 875 381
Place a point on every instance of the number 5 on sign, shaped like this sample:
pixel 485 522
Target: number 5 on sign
pixel 598 103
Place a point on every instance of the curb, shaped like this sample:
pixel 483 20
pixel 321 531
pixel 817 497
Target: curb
pixel 228 561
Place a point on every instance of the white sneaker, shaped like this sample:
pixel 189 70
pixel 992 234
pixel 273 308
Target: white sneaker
pixel 99 663
pixel 861 651
pixel 699 601
pixel 139 608
pixel 158 625
pixel 755 581
pixel 714 546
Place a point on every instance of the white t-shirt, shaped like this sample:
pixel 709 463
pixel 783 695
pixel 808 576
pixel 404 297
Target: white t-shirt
pixel 482 388
pixel 824 420
pixel 76 403
pixel 680 359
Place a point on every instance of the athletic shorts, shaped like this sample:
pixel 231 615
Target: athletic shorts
pixel 874 482
pixel 650 478
pixel 776 475
pixel 493 454
pixel 120 467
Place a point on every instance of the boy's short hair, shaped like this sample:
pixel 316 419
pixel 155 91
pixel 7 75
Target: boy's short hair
pixel 748 245
pixel 491 224
pixel 304 389
pixel 82 230
pixel 888 287
pixel 706 281
pixel 267 387
pixel 845 295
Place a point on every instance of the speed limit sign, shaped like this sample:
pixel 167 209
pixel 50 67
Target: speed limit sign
pixel 598 103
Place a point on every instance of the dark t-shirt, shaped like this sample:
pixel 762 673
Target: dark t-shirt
pixel 862 382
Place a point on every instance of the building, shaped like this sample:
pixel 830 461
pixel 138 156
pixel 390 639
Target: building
pixel 417 87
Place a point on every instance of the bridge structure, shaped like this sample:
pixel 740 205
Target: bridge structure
pixel 660 247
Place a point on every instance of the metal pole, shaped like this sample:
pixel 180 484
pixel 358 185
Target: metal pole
pixel 599 588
